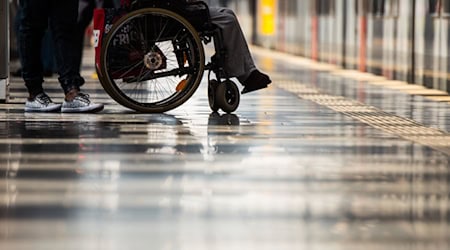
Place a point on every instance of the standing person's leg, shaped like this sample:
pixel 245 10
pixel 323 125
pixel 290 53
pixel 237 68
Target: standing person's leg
pixel 63 22
pixel 48 57
pixel 239 62
pixel 33 23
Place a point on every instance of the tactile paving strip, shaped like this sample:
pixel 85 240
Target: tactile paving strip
pixel 372 116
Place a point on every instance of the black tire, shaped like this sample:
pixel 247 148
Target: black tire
pixel 227 96
pixel 212 89
pixel 152 60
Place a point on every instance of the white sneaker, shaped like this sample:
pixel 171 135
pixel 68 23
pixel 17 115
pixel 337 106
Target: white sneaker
pixel 81 104
pixel 41 103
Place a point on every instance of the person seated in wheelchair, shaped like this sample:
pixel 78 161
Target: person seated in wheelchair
pixel 239 62
pixel 152 58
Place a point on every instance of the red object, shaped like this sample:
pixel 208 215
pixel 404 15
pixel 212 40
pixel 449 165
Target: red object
pixel 363 43
pixel 315 38
pixel 99 30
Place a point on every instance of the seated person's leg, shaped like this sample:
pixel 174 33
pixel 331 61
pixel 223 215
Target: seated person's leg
pixel 239 63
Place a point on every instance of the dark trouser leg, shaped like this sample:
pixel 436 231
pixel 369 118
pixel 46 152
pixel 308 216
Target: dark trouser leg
pixel 48 57
pixel 33 22
pixel 63 22
pixel 239 62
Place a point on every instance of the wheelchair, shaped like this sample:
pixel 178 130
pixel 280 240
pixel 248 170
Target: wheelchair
pixel 153 58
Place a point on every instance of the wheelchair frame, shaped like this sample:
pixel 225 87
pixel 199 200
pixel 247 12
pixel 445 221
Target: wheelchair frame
pixel 222 92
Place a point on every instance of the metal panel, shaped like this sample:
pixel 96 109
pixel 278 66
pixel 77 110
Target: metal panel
pixel 352 41
pixel 4 48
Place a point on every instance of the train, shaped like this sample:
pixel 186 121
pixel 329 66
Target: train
pixel 406 40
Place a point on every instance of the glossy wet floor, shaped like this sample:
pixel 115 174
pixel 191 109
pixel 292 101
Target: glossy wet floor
pixel 317 161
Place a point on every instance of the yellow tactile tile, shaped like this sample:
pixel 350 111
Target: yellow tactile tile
pixel 439 98
pixel 389 83
pixel 426 92
pixel 344 72
pixel 406 87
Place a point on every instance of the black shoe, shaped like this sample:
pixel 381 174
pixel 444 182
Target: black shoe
pixel 256 81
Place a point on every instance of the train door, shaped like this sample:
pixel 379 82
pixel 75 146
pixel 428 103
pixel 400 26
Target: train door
pixel 392 39
pixel 4 49
pixel 443 65
pixel 290 28
pixel 355 34
pixel 375 36
pixel 302 28
pixel 395 39
pixel 378 37
pixel 328 30
pixel 432 43
pixel 339 25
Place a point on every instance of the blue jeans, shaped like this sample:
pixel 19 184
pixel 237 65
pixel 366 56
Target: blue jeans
pixel 61 16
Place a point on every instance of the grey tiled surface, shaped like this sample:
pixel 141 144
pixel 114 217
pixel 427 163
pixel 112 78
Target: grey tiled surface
pixel 281 173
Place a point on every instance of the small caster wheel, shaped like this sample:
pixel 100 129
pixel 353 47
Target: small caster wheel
pixel 212 89
pixel 227 96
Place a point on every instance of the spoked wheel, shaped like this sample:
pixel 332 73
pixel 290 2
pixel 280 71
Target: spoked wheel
pixel 227 96
pixel 212 89
pixel 152 60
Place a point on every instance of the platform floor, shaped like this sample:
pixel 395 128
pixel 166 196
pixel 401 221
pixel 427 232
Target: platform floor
pixel 323 159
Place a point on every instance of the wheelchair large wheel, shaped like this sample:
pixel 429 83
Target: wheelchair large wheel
pixel 152 60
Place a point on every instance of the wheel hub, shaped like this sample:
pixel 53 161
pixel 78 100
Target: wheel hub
pixel 154 60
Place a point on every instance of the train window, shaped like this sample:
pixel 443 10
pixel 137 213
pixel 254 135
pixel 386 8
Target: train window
pixel 434 7
pixel 392 8
pixel 288 8
pixel 446 8
pixel 292 8
pixel 439 8
pixel 377 8
pixel 362 7
pixel 384 8
pixel 325 7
